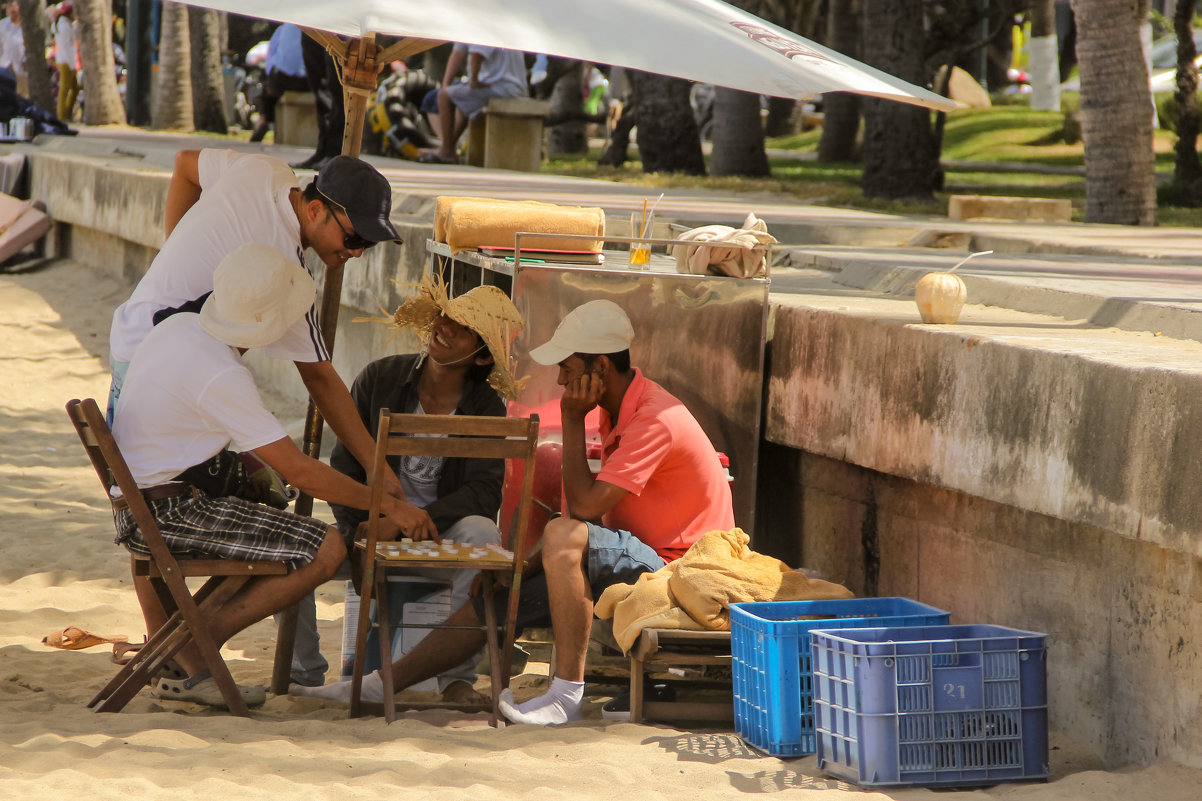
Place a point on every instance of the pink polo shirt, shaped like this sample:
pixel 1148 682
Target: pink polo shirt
pixel 661 457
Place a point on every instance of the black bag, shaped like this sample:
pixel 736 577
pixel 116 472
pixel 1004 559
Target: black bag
pixel 226 475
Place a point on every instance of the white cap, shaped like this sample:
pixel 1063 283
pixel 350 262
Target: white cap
pixel 596 327
pixel 258 294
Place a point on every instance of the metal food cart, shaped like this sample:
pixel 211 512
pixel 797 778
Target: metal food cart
pixel 699 336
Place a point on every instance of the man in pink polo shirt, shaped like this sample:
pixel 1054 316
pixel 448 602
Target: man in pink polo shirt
pixel 660 488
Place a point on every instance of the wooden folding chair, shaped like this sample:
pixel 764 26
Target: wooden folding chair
pixel 188 613
pixel 452 436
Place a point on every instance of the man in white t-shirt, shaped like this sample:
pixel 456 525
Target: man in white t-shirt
pixel 491 72
pixel 12 47
pixel 220 199
pixel 188 396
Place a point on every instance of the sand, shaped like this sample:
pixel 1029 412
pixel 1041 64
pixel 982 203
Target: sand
pixel 60 568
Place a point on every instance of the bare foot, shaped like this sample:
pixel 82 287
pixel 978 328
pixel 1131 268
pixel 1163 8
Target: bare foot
pixel 460 692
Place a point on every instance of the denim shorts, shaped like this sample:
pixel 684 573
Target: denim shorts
pixel 614 557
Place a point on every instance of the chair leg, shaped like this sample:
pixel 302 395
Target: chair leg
pixel 636 690
pixel 384 632
pixel 495 654
pixel 367 586
pixel 285 644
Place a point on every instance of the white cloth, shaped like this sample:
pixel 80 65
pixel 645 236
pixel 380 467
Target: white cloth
pixel 722 250
pixel 186 396
pixel 503 71
pixel 12 46
pixel 64 42
pixel 244 198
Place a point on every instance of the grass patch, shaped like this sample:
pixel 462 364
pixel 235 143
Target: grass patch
pixel 1004 135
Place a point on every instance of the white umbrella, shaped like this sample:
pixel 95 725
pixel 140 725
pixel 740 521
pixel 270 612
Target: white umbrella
pixel 700 40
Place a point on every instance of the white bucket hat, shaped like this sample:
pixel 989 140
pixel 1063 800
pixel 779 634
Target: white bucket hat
pixel 598 327
pixel 258 294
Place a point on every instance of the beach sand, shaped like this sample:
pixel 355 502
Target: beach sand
pixel 60 568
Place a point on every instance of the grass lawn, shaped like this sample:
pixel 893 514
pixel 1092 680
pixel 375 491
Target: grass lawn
pixel 1019 152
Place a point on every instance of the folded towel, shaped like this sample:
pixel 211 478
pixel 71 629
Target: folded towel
pixel 694 593
pixel 443 203
pixel 727 251
pixel 471 224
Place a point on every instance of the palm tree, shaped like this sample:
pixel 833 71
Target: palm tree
pixel 102 102
pixel 1116 112
pixel 668 137
pixel 208 88
pixel 1187 173
pixel 738 135
pixel 1044 65
pixel 841 110
pixel 35 30
pixel 900 154
pixel 173 104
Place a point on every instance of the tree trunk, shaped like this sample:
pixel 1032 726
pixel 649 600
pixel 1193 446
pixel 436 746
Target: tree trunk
pixel 173 104
pixel 102 102
pixel 1044 66
pixel 208 88
pixel 841 110
pixel 738 135
pixel 900 157
pixel 567 137
pixel 1187 174
pixel 1116 112
pixel 35 30
pixel 668 137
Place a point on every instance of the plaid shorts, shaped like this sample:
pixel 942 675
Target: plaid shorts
pixel 226 528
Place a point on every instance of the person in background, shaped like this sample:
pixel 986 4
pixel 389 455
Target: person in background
pixel 328 101
pixel 65 56
pixel 491 72
pixel 285 73
pixel 12 47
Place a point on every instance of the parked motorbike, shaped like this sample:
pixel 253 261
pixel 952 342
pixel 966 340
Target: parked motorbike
pixel 395 125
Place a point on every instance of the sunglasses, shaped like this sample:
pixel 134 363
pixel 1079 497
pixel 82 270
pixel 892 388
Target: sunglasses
pixel 350 239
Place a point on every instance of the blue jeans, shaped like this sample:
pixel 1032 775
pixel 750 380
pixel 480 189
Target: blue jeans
pixel 118 369
pixel 614 557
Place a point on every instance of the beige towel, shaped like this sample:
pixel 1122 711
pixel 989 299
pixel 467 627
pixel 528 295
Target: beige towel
pixel 695 592
pixel 728 251
pixel 471 224
pixel 443 203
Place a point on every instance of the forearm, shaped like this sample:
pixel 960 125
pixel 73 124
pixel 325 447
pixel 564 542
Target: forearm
pixel 454 65
pixel 577 478
pixel 184 190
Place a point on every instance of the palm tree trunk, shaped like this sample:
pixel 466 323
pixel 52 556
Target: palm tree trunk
pixel 900 156
pixel 102 101
pixel 1116 112
pixel 1187 173
pixel 173 104
pixel 1044 69
pixel 841 110
pixel 35 31
pixel 208 91
pixel 738 135
pixel 668 136
pixel 569 136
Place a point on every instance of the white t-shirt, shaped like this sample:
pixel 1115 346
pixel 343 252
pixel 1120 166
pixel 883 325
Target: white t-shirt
pixel 244 198
pixel 64 42
pixel 12 46
pixel 187 395
pixel 419 475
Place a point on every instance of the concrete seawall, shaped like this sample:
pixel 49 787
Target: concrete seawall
pixel 1019 468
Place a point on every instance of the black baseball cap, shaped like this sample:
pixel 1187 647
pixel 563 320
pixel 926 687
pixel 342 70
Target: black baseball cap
pixel 363 193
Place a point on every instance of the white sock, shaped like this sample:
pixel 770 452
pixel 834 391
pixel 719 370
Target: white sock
pixel 372 690
pixel 560 704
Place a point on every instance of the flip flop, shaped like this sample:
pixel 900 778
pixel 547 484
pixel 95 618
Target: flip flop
pixel 124 651
pixel 74 638
pixel 431 157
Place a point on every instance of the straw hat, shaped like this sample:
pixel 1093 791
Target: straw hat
pixel 486 310
pixel 258 293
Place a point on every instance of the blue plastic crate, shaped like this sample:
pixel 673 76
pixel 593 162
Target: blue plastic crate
pixel 770 661
pixel 952 706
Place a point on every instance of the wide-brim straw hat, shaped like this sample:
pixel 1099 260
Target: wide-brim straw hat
pixel 487 310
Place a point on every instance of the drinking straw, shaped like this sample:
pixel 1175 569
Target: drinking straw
pixel 969 256
pixel 647 219
pixel 643 223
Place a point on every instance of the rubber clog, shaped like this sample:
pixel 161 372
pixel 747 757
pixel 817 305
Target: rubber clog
pixel 202 689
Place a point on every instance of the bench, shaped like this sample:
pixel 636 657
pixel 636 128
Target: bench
pixel 507 134
pixel 665 648
pixel 296 119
